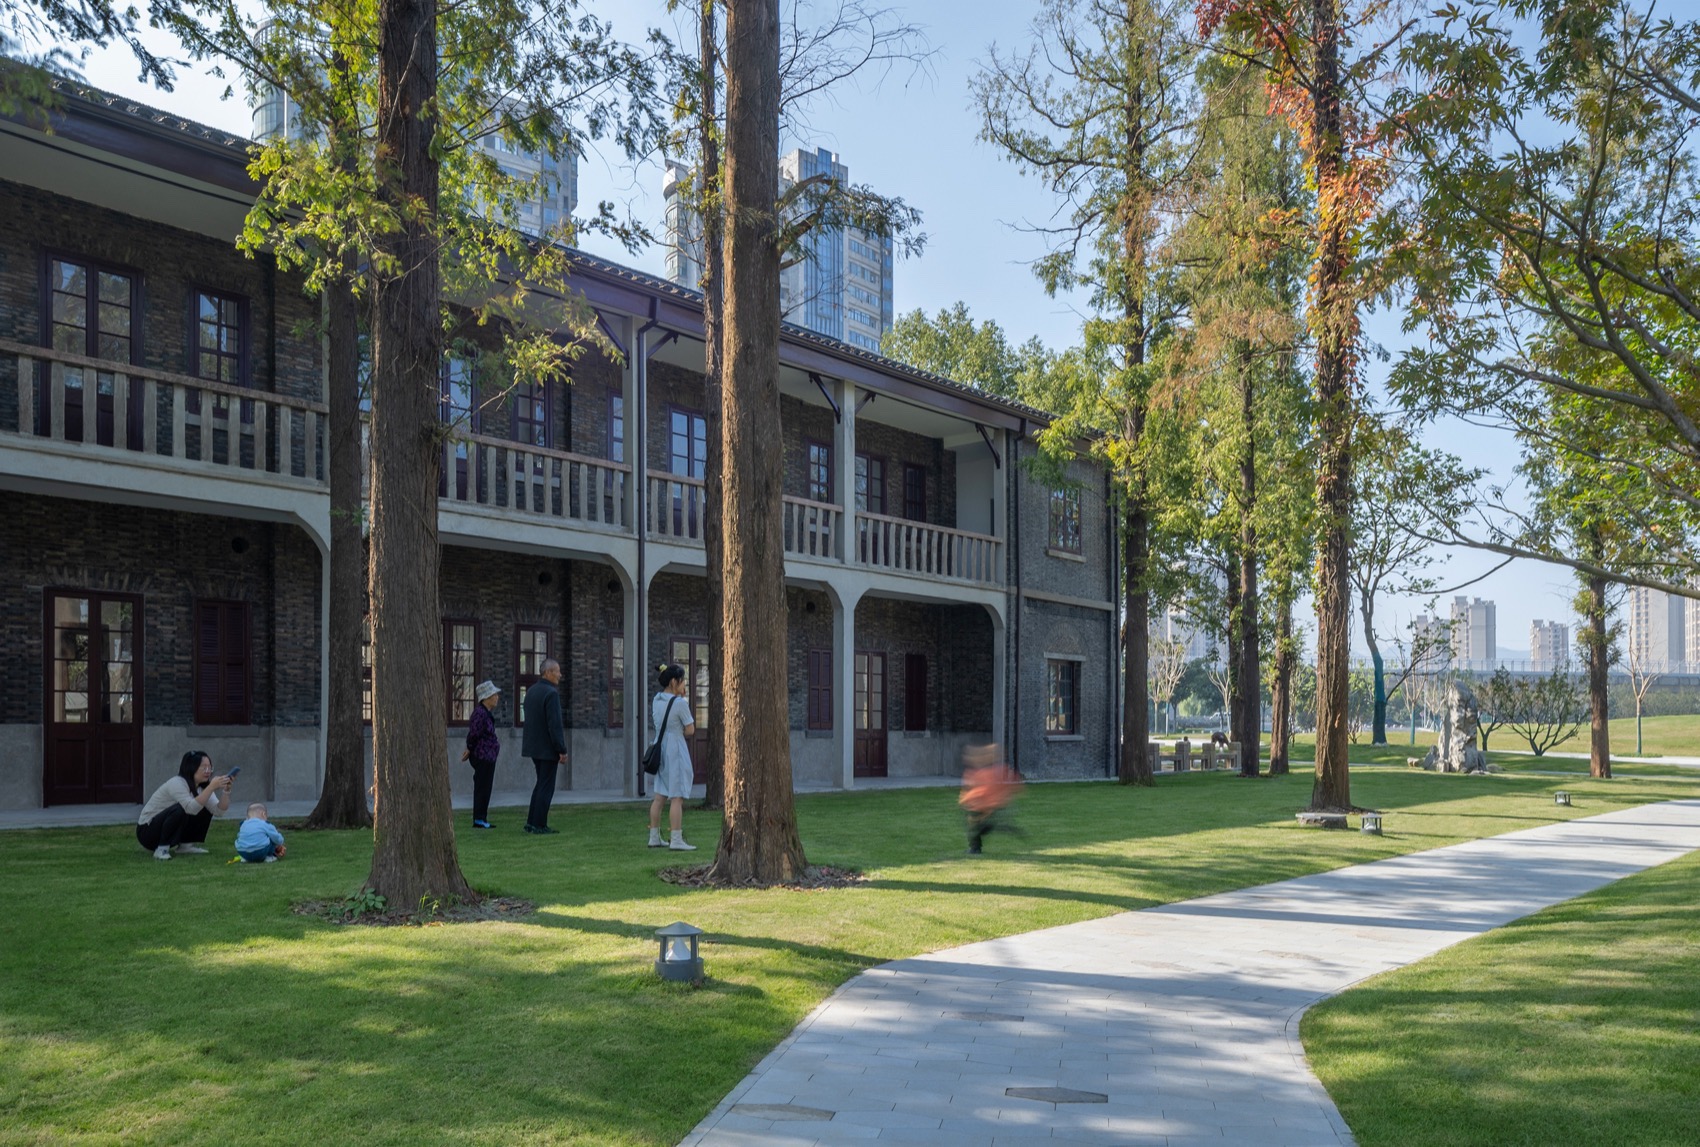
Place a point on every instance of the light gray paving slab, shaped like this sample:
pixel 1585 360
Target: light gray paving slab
pixel 1190 1046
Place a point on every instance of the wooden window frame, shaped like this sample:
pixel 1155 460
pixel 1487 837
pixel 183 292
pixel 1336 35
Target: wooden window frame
pixel 525 391
pixel 1070 678
pixel 691 417
pixel 449 625
pixel 869 462
pixel 522 679
pixel 819 694
pixel 366 670
pixel 218 711
pixel 445 412
pixel 1061 502
pixel 810 491
pixel 616 451
pixel 914 509
pixel 244 335
pixel 616 651
pixel 137 298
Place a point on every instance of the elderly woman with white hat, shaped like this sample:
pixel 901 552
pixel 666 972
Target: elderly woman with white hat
pixel 482 748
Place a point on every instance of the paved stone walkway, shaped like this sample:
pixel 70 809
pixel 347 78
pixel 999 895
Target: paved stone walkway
pixel 1174 1026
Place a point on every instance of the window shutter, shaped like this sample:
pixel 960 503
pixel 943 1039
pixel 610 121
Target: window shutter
pixel 915 692
pixel 222 686
pixel 235 694
pixel 209 669
pixel 820 689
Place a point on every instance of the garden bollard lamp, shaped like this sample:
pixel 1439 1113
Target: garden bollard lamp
pixel 1561 797
pixel 1371 823
pixel 679 959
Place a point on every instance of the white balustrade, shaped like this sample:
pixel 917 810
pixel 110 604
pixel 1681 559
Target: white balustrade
pixel 930 551
pixel 534 481
pixel 110 406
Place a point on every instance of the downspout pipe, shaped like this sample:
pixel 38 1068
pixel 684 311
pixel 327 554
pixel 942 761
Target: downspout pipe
pixel 639 455
pixel 1012 478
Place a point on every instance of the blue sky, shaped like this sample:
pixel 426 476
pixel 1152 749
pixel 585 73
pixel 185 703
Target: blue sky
pixel 914 135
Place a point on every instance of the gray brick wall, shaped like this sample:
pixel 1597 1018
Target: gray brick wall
pixel 284 350
pixel 171 560
pixel 1085 577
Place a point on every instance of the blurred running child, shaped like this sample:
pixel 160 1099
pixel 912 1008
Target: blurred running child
pixel 988 785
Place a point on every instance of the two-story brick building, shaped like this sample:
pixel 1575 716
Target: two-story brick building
pixel 163 566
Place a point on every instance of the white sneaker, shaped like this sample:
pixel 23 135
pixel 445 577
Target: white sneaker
pixel 190 850
pixel 677 844
pixel 271 860
pixel 655 840
pixel 163 852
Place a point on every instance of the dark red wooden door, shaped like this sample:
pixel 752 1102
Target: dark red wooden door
pixel 691 654
pixel 870 715
pixel 93 724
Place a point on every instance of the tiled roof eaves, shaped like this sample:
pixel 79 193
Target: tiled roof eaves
pixel 803 334
pixel 234 145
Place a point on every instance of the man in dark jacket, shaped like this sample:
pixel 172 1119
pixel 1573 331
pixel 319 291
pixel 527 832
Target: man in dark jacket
pixel 545 742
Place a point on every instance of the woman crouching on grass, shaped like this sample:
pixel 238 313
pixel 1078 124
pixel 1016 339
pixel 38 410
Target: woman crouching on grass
pixel 180 811
pixel 670 712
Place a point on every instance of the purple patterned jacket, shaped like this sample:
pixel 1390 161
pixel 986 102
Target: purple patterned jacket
pixel 481 741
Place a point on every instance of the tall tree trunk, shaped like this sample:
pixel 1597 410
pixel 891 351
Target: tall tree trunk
pixel 1333 325
pixel 342 801
pixel 1281 691
pixel 758 841
pixel 1599 661
pixel 1232 666
pixel 1378 725
pixel 1249 732
pixel 1135 766
pixel 414 858
pixel 708 202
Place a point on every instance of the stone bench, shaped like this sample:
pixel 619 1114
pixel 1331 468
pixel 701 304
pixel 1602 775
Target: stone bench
pixel 1321 819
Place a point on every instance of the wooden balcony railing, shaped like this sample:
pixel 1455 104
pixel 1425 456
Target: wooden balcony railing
pixel 676 507
pixel 117 408
pixel 931 551
pixel 535 481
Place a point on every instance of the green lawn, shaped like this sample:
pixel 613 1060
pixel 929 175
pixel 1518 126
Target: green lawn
pixel 1580 1024
pixel 1660 736
pixel 184 1003
pixel 1400 750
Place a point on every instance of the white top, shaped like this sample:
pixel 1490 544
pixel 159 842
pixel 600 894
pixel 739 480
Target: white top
pixel 674 779
pixel 177 789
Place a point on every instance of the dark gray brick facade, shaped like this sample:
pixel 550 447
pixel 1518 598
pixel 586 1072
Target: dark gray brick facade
pixel 171 560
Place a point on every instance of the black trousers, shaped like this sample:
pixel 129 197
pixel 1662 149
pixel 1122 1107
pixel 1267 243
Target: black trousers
pixel 483 776
pixel 174 827
pixel 542 793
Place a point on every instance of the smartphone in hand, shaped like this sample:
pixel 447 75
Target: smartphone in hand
pixel 234 769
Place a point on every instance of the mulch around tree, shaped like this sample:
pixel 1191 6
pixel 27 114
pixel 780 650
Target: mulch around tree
pixel 352 912
pixel 815 878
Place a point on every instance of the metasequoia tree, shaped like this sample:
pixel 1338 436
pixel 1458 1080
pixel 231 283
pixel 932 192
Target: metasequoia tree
pixel 817 51
pixel 758 838
pixel 1233 366
pixel 1101 108
pixel 1315 81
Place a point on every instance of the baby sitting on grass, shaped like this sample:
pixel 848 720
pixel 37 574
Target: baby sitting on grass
pixel 257 841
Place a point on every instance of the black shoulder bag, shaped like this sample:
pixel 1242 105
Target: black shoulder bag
pixel 652 755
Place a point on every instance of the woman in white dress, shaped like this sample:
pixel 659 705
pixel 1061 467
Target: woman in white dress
pixel 673 782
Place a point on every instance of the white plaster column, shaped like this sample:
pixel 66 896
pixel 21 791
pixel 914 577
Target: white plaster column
pixel 844 680
pixel 844 469
pixel 1000 681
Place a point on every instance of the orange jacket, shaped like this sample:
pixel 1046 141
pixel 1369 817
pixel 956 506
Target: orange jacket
pixel 989 787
